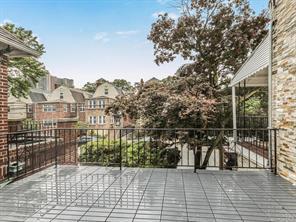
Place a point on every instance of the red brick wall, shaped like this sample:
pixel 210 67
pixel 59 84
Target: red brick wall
pixel 40 115
pixel 3 115
pixel 58 114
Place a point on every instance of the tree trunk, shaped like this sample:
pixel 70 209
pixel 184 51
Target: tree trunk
pixel 217 141
pixel 197 158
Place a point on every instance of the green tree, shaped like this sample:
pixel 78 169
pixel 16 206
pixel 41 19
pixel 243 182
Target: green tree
pixel 89 87
pixel 215 37
pixel 24 73
pixel 122 84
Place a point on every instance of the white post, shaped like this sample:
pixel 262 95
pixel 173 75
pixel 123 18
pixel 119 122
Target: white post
pixel 234 115
pixel 270 98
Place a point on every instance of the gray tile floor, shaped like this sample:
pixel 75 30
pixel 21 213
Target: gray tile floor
pixel 90 193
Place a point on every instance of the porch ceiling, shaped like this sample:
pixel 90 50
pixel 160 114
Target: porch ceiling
pixel 255 69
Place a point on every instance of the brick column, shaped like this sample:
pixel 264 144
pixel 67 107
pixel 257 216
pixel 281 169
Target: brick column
pixel 3 116
pixel 284 85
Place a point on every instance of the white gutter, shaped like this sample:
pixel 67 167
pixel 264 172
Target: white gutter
pixel 21 47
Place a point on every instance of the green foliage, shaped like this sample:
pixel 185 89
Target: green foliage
pixel 257 104
pixel 122 84
pixel 24 72
pixel 89 87
pixel 81 125
pixel 134 154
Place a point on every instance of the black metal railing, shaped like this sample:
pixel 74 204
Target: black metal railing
pixel 28 126
pixel 252 122
pixel 31 151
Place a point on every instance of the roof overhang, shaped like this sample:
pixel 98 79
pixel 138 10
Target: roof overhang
pixel 11 46
pixel 254 71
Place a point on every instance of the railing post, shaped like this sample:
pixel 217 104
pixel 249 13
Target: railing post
pixel 270 150
pixel 56 147
pixel 275 151
pixel 120 151
pixel 8 157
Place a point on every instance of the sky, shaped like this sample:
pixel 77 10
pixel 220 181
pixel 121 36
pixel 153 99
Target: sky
pixel 90 39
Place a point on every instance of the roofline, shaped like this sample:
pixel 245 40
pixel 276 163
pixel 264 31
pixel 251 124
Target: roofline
pixel 22 47
pixel 250 56
pixel 251 74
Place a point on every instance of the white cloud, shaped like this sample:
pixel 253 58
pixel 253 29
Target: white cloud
pixel 127 33
pixel 170 14
pixel 102 37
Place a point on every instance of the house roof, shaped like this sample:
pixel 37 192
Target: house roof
pixel 255 68
pixel 37 97
pixel 16 46
pixel 78 96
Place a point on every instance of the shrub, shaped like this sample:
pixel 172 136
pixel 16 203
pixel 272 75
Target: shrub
pixel 134 154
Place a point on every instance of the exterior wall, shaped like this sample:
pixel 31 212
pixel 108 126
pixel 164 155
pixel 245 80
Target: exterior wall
pixel 50 83
pixel 58 114
pixel 18 108
pixel 55 82
pixel 67 96
pixel 100 91
pixel 97 111
pixel 284 85
pixel 3 116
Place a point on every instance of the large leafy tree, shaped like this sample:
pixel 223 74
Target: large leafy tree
pixel 122 84
pixel 24 73
pixel 215 37
pixel 89 87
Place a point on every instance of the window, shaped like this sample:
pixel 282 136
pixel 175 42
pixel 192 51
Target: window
pixel 61 95
pixel 73 108
pixel 101 103
pixel 29 108
pixel 50 123
pixel 112 120
pixel 102 120
pixel 49 108
pixel 92 104
pixel 81 107
pixel 65 108
pixel 93 120
pixel 106 91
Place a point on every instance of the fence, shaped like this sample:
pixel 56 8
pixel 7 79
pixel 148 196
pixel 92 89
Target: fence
pixel 29 126
pixel 252 122
pixel 167 148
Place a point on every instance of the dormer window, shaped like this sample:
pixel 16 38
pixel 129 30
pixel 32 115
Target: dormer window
pixel 106 91
pixel 61 95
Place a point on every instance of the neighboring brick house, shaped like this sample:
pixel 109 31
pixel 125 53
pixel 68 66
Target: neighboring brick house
pixel 96 117
pixel 64 107
pixel 20 109
pixel 10 46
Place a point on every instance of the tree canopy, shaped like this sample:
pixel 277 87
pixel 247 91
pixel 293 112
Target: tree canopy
pixel 214 37
pixel 24 73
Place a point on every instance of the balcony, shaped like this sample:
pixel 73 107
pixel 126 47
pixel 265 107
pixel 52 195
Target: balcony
pixel 144 175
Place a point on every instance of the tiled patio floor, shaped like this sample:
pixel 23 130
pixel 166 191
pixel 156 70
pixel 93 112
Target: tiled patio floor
pixel 89 193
